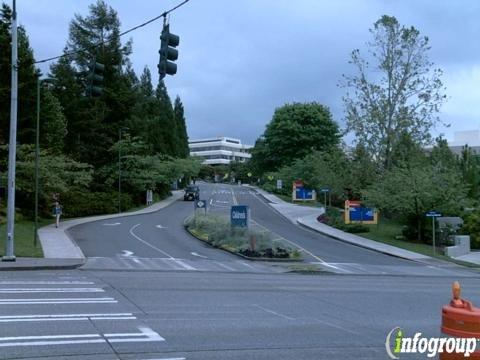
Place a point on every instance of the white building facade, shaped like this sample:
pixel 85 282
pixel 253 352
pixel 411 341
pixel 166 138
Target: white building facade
pixel 220 150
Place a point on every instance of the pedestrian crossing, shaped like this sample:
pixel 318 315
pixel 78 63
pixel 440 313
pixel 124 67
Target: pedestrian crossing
pixel 402 270
pixel 51 318
pixel 174 264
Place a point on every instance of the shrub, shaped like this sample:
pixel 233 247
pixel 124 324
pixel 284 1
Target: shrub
pixel 356 228
pixel 471 226
pixel 76 204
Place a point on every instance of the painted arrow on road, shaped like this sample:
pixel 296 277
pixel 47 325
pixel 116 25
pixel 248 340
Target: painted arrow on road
pixel 127 253
pixel 160 227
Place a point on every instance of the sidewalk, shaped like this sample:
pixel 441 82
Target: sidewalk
pixel 61 252
pixel 307 217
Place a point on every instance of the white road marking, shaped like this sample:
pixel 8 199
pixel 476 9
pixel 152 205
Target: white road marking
pixel 46 282
pixel 146 335
pixel 273 312
pixel 178 261
pixel 106 300
pixel 224 266
pixel 127 253
pixel 147 243
pixel 246 264
pixel 111 224
pixel 222 202
pixel 66 317
pixel 186 266
pixel 136 260
pixel 48 290
pixel 235 202
pixel 195 254
pixel 160 226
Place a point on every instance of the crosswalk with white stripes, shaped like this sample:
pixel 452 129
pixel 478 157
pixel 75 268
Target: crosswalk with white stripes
pixel 68 317
pixel 173 264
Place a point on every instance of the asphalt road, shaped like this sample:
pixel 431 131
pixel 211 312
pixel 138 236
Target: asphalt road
pixel 207 316
pixel 158 241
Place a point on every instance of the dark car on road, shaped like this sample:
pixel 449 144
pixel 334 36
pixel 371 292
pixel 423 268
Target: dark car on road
pixel 192 192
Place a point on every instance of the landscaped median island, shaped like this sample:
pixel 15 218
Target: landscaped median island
pixel 254 243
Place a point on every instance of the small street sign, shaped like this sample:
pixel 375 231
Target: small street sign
pixel 200 204
pixel 279 184
pixel 433 213
pixel 324 190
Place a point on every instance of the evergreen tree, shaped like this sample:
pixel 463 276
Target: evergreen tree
pixel 164 126
pixel 93 123
pixel 182 138
pixel 27 81
pixel 53 123
pixel 146 87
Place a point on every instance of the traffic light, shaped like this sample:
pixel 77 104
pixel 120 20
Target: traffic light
pixel 95 87
pixel 167 52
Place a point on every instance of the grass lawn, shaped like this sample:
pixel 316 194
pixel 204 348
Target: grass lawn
pixel 23 238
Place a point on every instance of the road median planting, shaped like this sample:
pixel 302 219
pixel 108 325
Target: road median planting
pixel 254 243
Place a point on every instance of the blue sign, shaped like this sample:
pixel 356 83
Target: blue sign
pixel 239 216
pixel 303 194
pixel 433 213
pixel 359 213
pixel 200 204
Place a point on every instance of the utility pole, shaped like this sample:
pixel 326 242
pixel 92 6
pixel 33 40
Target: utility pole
pixel 37 146
pixel 12 148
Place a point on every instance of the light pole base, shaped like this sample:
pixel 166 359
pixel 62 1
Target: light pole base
pixel 9 258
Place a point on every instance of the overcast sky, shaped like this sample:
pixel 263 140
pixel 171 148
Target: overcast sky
pixel 240 59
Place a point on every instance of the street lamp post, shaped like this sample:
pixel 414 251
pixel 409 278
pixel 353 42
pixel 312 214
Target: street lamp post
pixel 120 167
pixel 12 148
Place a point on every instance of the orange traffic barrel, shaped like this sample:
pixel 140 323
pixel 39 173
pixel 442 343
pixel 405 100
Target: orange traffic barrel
pixel 462 320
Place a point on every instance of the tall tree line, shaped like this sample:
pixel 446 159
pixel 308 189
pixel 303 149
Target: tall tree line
pixel 83 129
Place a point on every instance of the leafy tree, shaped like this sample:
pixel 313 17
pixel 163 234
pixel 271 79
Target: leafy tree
pixel 58 174
pixel 470 170
pixel 295 131
pixel 400 94
pixel 410 191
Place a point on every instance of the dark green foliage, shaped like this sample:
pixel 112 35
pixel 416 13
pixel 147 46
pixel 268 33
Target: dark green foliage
pixel 27 82
pixel 76 203
pixel 471 226
pixel 182 138
pixel 294 132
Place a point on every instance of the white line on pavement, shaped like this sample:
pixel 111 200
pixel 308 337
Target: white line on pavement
pixel 178 261
pixel 47 290
pixel 66 317
pixel 195 254
pixel 46 282
pixel 224 266
pixel 108 300
pixel 147 243
pixel 112 224
pixel 146 335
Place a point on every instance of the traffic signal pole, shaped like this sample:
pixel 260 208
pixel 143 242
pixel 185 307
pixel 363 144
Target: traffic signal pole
pixel 12 148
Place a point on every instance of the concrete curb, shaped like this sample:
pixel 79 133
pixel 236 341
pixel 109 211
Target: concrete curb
pixel 310 222
pixel 362 242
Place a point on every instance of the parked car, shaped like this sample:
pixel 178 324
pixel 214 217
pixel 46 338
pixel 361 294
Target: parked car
pixel 192 192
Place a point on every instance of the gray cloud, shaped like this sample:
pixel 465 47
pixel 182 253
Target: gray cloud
pixel 239 60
